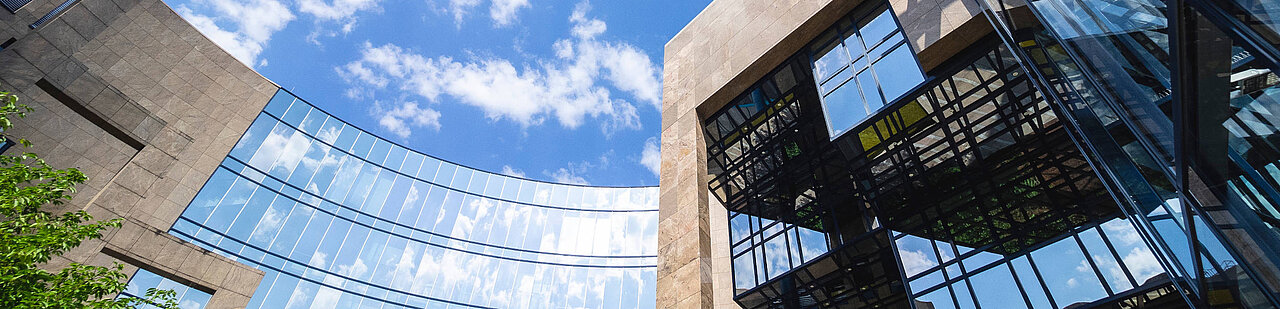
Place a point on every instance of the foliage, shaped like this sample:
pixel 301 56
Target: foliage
pixel 30 236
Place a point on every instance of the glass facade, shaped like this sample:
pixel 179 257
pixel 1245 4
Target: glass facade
pixel 1088 153
pixel 339 218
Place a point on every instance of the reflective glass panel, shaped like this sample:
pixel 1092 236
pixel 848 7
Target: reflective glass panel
pixel 863 53
pixel 351 220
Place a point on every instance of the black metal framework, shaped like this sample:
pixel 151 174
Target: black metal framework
pixel 1095 131
pixel 975 161
pixel 1196 161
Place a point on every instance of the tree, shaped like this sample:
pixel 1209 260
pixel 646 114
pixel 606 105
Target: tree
pixel 30 236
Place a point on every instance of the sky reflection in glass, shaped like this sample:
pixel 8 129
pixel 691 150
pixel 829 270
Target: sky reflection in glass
pixel 340 218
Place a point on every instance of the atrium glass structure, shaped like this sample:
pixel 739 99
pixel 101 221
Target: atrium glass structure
pixel 1085 154
pixel 339 218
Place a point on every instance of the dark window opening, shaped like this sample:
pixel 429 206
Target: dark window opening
pixel 14 5
pixel 8 42
pixel 8 143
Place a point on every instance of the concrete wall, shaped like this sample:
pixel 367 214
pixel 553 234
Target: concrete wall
pixel 168 104
pixel 725 49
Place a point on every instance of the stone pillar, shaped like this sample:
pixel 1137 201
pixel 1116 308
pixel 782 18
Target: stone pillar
pixel 684 236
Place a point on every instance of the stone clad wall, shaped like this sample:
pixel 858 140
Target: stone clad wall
pixel 725 49
pixel 154 107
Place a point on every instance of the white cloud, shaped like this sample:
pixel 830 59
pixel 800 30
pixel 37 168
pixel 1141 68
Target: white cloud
pixel 571 88
pixel 405 267
pixel 355 270
pixel 1142 264
pixel 327 297
pixel 502 12
pixel 281 150
pixel 571 174
pixel 319 260
pixel 404 116
pixel 510 171
pixel 341 12
pixel 460 8
pixel 915 261
pixel 189 304
pixel 242 28
pixel 564 175
pixel 1122 231
pixel 267 227
pixel 582 27
pixel 337 10
pixel 1083 266
pixel 629 69
pixel 300 298
pixel 358 71
pixel 651 157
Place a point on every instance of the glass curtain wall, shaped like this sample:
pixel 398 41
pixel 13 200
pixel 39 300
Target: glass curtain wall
pixel 1174 100
pixel 339 218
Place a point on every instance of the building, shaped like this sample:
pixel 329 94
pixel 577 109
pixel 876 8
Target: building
pixel 971 154
pixel 337 217
pixel 237 194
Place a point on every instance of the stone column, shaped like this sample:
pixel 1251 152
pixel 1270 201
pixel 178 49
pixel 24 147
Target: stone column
pixel 684 241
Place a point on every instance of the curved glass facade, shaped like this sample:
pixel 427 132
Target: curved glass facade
pixel 339 218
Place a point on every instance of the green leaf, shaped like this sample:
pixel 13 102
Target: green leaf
pixel 30 236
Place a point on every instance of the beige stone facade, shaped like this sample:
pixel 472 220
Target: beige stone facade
pixel 724 50
pixel 147 107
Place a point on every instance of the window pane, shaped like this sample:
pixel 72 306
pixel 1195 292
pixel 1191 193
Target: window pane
pixel 837 80
pixel 916 254
pixel 776 253
pixel 1068 275
pixel 938 299
pixel 995 288
pixel 843 109
pixel 829 60
pixel 870 93
pixel 813 243
pixel 898 72
pixel 879 28
pixel 1030 284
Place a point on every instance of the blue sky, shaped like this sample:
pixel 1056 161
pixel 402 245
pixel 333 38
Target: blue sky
pixel 566 91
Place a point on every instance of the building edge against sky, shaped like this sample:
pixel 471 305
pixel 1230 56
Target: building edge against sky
pixel 1087 133
pixel 217 187
pixel 223 179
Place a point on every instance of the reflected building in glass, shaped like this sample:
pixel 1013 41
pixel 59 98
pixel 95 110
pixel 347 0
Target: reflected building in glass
pixel 339 218
pixel 237 194
pixel 973 154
